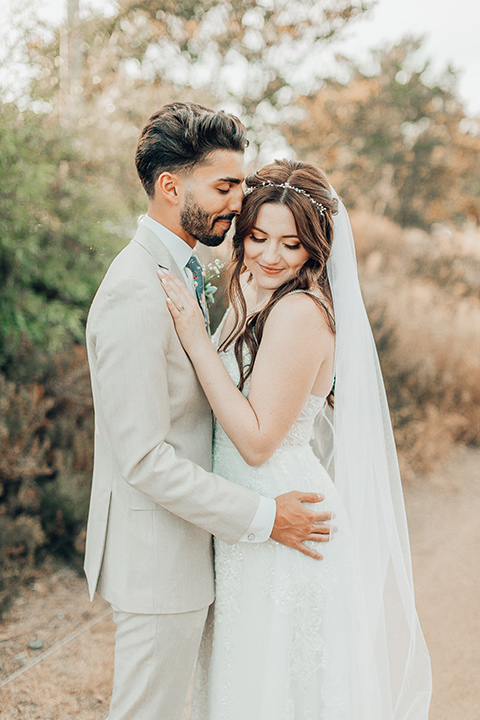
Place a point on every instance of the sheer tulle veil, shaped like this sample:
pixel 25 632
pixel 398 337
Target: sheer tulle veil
pixel 383 642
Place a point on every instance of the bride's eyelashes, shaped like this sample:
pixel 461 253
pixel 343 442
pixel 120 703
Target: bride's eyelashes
pixel 257 239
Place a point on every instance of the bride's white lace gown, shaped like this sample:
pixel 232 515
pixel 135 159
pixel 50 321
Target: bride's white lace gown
pixel 282 641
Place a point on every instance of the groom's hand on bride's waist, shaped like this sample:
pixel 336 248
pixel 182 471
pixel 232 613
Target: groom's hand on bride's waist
pixel 295 522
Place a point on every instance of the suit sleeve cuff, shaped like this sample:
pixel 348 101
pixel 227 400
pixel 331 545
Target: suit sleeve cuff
pixel 262 523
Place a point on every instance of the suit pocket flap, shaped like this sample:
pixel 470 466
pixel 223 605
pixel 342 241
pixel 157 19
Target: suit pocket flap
pixel 139 501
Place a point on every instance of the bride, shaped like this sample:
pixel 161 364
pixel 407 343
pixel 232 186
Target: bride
pixel 291 637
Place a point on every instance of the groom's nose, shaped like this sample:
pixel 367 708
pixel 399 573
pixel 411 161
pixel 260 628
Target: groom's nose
pixel 235 199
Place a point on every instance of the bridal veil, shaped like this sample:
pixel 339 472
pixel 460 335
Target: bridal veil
pixel 390 675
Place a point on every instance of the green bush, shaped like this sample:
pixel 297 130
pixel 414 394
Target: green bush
pixel 54 239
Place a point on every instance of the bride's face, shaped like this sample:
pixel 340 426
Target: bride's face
pixel 272 252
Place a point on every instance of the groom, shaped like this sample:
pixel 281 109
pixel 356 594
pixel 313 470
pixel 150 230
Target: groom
pixel 155 504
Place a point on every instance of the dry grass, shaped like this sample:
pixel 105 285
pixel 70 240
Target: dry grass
pixel 422 295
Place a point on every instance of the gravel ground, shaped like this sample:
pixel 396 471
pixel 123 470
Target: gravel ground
pixel 73 677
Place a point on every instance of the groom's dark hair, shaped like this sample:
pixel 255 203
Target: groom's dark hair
pixel 180 136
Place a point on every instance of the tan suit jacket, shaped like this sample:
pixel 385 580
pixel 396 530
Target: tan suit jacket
pixel 154 503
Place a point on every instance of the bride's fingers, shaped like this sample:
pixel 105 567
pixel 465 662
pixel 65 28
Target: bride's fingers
pixel 180 300
pixel 174 311
pixel 172 282
pixel 177 291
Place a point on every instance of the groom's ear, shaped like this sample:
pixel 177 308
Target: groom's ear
pixel 167 187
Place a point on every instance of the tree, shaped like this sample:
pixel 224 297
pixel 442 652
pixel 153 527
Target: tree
pixel 248 54
pixel 394 141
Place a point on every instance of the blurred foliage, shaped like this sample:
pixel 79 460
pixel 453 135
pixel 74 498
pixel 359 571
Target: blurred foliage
pixel 247 54
pixel 394 141
pixel 46 435
pixel 53 236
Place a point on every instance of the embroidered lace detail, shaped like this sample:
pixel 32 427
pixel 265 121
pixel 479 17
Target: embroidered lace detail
pixel 301 431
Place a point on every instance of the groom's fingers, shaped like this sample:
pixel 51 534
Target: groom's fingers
pixel 296 522
pixel 307 551
pixel 322 529
pixel 320 533
pixel 308 497
pixel 314 498
pixel 318 538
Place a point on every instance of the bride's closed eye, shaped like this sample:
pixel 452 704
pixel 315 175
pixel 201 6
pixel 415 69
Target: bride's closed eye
pixel 259 239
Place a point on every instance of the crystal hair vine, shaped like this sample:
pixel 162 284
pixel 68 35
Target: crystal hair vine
pixel 287 186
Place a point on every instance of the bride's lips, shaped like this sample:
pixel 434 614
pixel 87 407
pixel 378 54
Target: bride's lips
pixel 270 271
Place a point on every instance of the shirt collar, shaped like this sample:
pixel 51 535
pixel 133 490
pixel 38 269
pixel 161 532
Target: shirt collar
pixel 180 251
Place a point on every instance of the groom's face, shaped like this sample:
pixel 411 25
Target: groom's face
pixel 212 196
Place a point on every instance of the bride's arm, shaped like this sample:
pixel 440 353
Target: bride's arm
pixel 295 342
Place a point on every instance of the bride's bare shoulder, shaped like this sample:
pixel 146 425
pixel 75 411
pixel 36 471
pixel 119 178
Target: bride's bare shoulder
pixel 299 304
pixel 298 314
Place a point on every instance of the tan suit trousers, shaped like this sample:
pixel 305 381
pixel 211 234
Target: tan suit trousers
pixel 154 661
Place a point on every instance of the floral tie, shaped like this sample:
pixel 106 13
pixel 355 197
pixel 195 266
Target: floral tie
pixel 194 265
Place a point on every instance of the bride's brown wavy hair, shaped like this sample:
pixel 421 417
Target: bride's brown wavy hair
pixel 315 233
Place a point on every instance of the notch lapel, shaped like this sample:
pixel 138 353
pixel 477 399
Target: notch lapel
pixel 153 245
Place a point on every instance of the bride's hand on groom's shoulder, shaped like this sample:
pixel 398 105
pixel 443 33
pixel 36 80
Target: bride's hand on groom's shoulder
pixel 185 311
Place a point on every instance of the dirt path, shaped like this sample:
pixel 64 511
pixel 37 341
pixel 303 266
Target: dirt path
pixel 444 520
pixel 74 681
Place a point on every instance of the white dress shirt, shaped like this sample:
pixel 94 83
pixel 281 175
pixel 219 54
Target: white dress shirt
pixel 262 523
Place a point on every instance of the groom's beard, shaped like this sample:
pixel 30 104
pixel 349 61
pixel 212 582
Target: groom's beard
pixel 200 225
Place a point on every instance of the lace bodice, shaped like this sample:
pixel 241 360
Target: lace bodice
pixel 301 431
